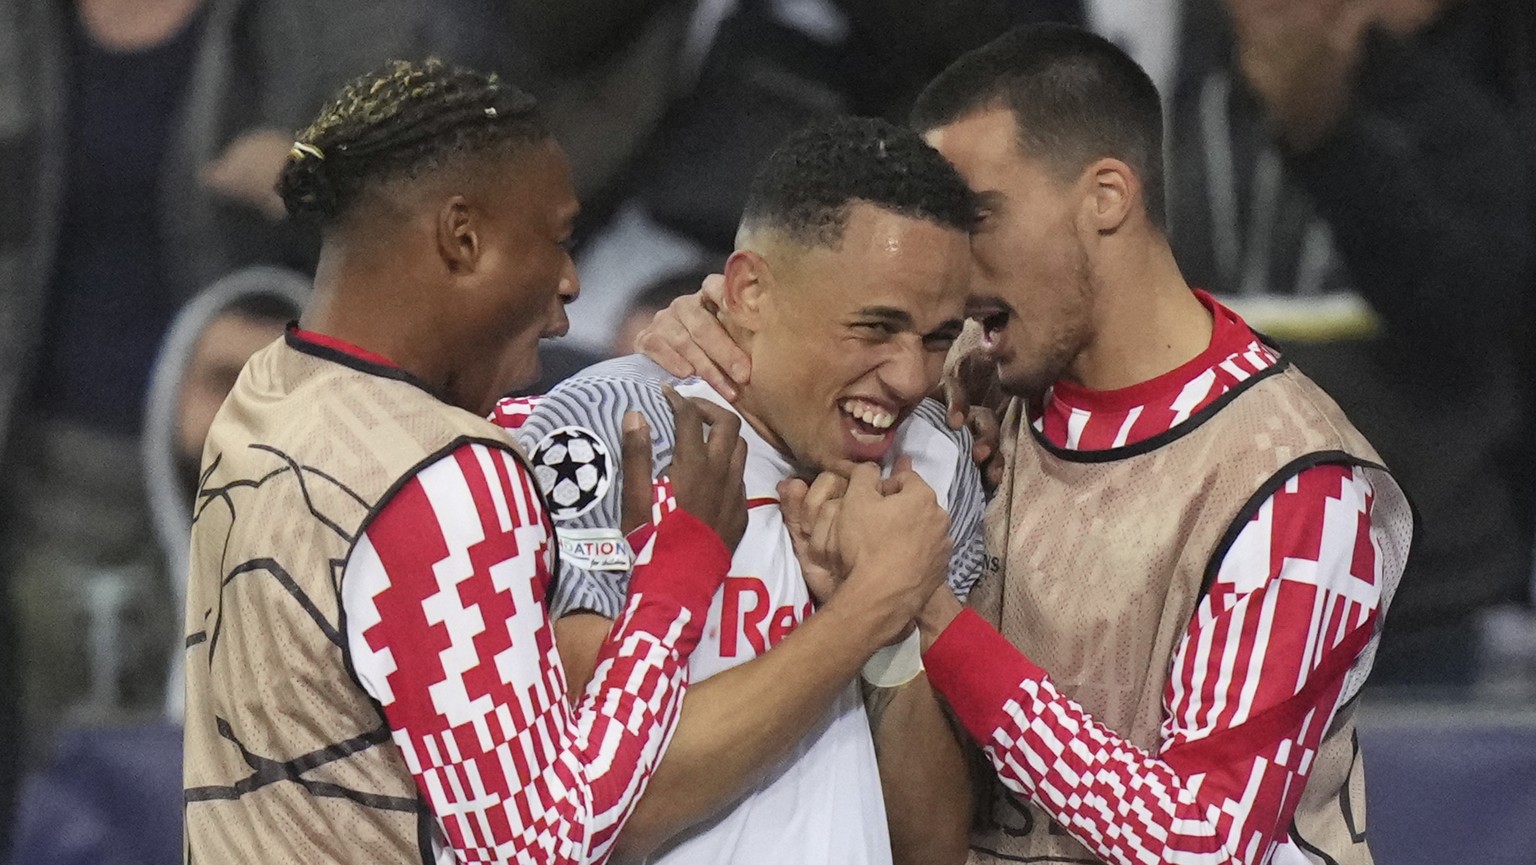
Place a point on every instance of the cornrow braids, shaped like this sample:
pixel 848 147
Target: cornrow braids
pixel 402 121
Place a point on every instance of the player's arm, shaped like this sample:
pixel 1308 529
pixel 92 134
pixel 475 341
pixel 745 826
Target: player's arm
pixel 923 770
pixel 447 629
pixel 1303 582
pixel 923 774
pixel 740 722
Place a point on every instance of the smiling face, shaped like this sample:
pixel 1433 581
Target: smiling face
pixel 1032 286
pixel 846 340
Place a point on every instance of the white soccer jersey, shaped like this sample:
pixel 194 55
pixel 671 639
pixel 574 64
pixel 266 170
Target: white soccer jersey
pixel 821 802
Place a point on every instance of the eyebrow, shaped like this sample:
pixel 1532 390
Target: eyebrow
pixel 889 313
pixel 903 319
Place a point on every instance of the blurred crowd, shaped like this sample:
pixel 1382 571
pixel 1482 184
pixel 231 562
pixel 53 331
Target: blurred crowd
pixel 1356 177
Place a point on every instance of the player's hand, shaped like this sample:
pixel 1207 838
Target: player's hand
pixel 1299 57
pixel 970 381
pixel 708 461
pixel 892 539
pixel 986 446
pixel 635 445
pixel 248 169
pixel 687 339
pixel 810 517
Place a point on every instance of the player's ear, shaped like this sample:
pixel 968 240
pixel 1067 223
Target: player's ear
pixel 746 285
pixel 1113 189
pixel 458 241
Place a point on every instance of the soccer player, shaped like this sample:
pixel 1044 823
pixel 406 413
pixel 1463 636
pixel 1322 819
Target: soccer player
pixel 1192 549
pixel 847 287
pixel 371 675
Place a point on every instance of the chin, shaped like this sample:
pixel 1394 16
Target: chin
pixel 1025 383
pixel 519 371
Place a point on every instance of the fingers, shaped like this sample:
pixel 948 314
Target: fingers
pixel 958 402
pixel 864 483
pixel 739 465
pixel 893 482
pixel 713 290
pixel 823 534
pixel 689 423
pixel 656 342
pixel 704 324
pixel 689 333
pixel 986 433
pixel 792 493
pixel 635 445
pixel 724 428
pixel 825 489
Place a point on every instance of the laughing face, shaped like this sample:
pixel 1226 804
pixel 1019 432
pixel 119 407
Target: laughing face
pixel 1032 287
pixel 846 341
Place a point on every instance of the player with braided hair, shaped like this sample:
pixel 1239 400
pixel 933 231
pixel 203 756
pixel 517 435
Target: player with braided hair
pixel 371 672
pixel 400 125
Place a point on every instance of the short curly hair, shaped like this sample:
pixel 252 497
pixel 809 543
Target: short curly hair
pixel 402 121
pixel 805 187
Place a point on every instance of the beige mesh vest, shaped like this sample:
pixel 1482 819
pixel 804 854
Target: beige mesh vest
pixel 288 760
pixel 1099 588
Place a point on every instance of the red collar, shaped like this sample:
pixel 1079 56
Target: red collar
pixel 339 345
pixel 1076 418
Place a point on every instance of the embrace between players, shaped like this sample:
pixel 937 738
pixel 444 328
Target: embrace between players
pixel 1139 640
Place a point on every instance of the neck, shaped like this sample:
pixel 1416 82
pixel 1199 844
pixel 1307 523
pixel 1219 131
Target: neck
pixel 1146 321
pixel 359 299
pixel 747 402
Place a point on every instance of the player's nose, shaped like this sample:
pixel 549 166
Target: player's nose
pixel 910 373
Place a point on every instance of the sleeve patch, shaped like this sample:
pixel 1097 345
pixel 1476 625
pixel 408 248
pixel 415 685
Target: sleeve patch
pixel 574 469
pixel 594 549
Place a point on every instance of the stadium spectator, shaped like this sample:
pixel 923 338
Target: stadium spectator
pixel 141 140
pixel 1359 177
pixel 121 784
pixel 203 352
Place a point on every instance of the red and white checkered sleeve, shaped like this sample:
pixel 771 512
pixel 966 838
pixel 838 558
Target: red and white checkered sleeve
pixel 1255 682
pixel 447 628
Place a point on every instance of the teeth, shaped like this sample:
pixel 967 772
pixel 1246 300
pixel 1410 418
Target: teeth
pixel 869 413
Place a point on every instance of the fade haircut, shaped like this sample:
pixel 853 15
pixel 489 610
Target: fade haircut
pixel 806 186
pixel 402 121
pixel 1076 98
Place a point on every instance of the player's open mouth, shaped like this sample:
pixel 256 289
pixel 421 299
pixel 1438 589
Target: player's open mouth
pixel 869 422
pixel 993 314
pixel 992 325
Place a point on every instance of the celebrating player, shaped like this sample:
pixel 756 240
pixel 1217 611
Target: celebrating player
pixel 847 288
pixel 371 675
pixel 1192 549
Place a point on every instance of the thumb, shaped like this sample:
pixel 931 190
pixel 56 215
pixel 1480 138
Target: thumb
pixel 959 404
pixel 864 484
pixel 635 509
pixel 892 484
pixel 792 494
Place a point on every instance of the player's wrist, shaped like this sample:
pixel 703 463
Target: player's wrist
pixel 681 559
pixel 857 625
pixel 941 609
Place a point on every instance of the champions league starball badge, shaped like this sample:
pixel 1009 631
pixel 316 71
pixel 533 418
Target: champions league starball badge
pixel 573 468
